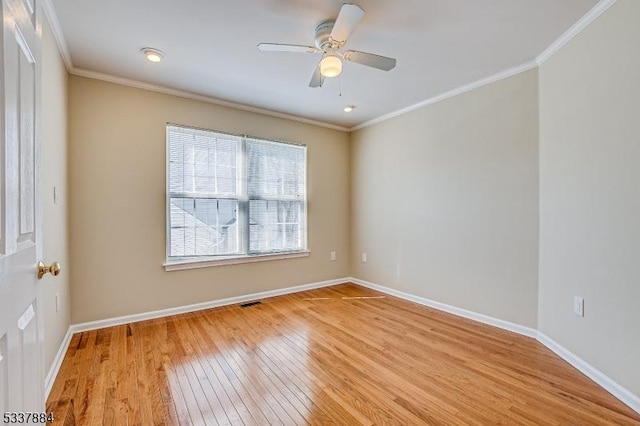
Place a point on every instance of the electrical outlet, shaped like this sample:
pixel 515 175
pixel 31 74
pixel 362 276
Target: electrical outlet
pixel 364 257
pixel 578 306
pixel 333 255
pixel 57 302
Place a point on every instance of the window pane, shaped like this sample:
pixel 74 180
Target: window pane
pixel 275 225
pixel 276 170
pixel 226 179
pixel 203 227
pixel 226 165
pixel 202 162
pixel 177 162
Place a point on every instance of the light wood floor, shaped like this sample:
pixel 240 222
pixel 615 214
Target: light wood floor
pixel 322 357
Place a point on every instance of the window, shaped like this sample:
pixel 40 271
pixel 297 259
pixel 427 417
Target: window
pixel 232 197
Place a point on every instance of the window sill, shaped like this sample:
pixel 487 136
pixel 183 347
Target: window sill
pixel 179 265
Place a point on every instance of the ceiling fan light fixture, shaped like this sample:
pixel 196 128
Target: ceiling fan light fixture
pixel 330 36
pixel 349 108
pixel 330 66
pixel 152 55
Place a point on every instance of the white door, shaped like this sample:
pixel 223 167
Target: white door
pixel 21 326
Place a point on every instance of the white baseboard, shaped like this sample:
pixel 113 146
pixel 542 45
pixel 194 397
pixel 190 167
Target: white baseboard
pixel 109 322
pixel 485 319
pixel 93 325
pixel 57 363
pixel 611 386
pixel 623 394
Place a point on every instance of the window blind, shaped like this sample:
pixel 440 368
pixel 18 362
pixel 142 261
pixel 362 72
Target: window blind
pixel 203 193
pixel 230 195
pixel 276 190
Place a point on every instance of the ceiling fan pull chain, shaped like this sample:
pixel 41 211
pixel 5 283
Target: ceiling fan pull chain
pixel 330 36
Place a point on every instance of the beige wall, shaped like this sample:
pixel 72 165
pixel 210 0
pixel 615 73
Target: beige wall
pixel 451 202
pixel 117 180
pixel 590 194
pixel 445 201
pixel 54 173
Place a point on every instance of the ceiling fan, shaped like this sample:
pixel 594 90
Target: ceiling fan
pixel 330 36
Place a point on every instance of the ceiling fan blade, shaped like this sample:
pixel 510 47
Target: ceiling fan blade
pixel 370 60
pixel 349 16
pixel 294 48
pixel 316 79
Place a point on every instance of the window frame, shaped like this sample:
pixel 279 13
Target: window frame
pixel 245 255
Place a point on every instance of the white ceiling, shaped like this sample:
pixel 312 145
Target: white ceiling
pixel 210 48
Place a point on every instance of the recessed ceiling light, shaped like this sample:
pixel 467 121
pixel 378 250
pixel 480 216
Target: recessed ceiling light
pixel 349 108
pixel 153 55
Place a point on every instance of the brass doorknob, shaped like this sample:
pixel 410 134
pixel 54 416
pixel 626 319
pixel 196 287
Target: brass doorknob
pixel 53 269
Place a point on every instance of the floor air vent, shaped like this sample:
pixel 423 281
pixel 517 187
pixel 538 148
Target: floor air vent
pixel 246 305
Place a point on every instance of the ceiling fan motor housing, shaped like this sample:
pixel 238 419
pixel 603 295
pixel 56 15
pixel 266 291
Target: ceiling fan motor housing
pixel 323 36
pixel 330 37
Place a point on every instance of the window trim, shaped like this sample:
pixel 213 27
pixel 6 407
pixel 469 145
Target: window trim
pixel 192 263
pixel 183 263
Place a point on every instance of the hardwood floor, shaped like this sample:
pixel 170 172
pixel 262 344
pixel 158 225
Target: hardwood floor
pixel 340 355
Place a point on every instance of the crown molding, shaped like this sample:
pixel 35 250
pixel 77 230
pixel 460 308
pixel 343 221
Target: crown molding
pixel 58 35
pixel 189 95
pixel 575 29
pixel 567 36
pixel 451 93
pixel 63 48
